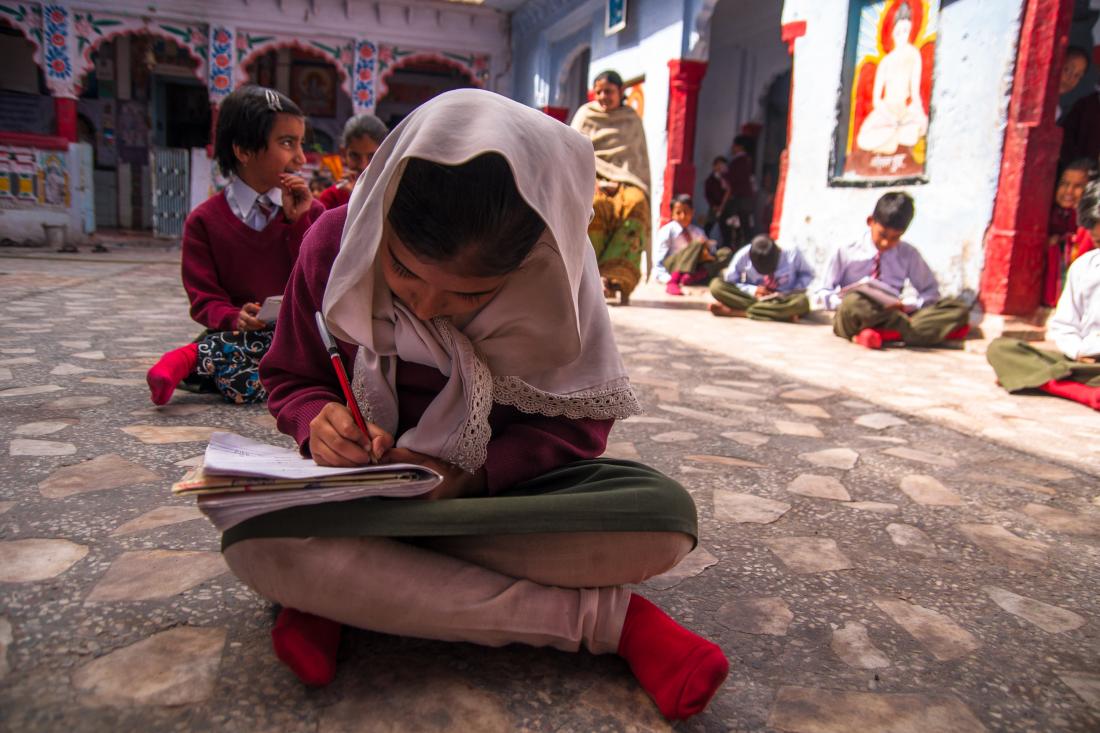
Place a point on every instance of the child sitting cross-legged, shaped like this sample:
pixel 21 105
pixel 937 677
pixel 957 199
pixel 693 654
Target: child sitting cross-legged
pixel 880 259
pixel 684 255
pixel 1073 371
pixel 764 283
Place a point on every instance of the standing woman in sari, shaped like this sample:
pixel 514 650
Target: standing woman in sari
pixel 620 228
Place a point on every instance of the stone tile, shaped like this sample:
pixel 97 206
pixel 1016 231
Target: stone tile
pixel 820 487
pixel 809 554
pixel 616 700
pixel 695 563
pixel 724 461
pixel 1085 684
pixel 18 361
pixel 43 427
pixel 28 447
pixel 937 633
pixel 173 409
pixel 162 434
pixel 740 383
pixel 174 667
pixel 77 402
pixel 751 439
pixel 30 560
pixel 854 647
pixel 734 507
pixel 708 417
pixel 1041 471
pixel 857 404
pixel 393 696
pixel 6 639
pixel 920 456
pixel 17 351
pixel 108 471
pixel 159 517
pixel 142 575
pixel 806 710
pixel 654 381
pixel 1049 618
pixel 90 355
pixel 879 507
pixel 647 419
pixel 810 411
pixel 76 344
pixel 1004 481
pixel 842 458
pixel 727 393
pixel 908 538
pixel 929 491
pixel 115 381
pixel 884 439
pixel 6 506
pixel 623 450
pixel 997 540
pixel 5 374
pixel 761 616
pixel 801 429
pixel 879 421
pixel 675 436
pixel 807 394
pixel 1062 521
pixel 28 391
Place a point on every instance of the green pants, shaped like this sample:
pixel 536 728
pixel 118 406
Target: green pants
pixel 1019 365
pixel 781 308
pixel 927 327
pixel 598 495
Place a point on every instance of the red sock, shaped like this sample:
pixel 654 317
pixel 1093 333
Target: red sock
pixel 167 373
pixel 959 333
pixel 1086 395
pixel 678 669
pixel 307 644
pixel 869 338
pixel 673 286
pixel 888 335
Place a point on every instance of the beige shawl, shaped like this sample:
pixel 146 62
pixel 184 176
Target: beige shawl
pixel 542 344
pixel 619 141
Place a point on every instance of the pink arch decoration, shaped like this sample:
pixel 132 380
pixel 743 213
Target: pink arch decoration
pixel 86 64
pixel 273 45
pixel 383 85
pixel 36 54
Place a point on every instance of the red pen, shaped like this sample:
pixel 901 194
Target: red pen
pixel 342 375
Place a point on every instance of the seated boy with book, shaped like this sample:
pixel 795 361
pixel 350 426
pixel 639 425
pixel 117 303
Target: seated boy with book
pixel 863 283
pixel 764 283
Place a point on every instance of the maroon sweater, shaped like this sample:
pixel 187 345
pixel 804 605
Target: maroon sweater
pixel 334 196
pixel 226 263
pixel 300 380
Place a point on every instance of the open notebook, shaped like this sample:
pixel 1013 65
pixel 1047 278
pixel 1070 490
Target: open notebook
pixel 243 478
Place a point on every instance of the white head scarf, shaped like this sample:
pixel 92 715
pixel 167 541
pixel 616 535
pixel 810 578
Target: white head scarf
pixel 543 343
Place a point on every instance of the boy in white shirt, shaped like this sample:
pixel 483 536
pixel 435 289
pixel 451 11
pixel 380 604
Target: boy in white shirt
pixel 683 254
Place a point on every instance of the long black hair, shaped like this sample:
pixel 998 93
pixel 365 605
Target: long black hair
pixel 471 212
pixel 245 119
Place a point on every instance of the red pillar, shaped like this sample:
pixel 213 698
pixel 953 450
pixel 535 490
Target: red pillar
pixel 558 113
pixel 1016 237
pixel 65 114
pixel 685 77
pixel 790 32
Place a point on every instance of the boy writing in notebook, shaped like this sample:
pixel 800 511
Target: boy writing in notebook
pixel 764 283
pixel 881 260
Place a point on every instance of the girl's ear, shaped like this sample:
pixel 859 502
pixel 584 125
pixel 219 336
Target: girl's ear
pixel 243 156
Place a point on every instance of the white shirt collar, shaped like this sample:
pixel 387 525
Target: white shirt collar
pixel 242 197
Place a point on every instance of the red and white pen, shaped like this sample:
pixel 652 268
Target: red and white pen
pixel 342 375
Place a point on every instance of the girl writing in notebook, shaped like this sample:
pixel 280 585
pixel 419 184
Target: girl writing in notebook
pixel 462 288
pixel 239 247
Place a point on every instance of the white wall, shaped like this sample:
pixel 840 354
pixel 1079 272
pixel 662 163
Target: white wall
pixel 746 55
pixel 975 57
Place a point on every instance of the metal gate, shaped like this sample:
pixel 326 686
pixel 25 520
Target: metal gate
pixel 171 190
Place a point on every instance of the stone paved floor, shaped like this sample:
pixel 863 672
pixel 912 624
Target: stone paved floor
pixel 865 566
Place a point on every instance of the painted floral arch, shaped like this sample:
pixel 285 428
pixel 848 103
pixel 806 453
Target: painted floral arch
pixel 85 62
pixel 338 53
pixel 392 59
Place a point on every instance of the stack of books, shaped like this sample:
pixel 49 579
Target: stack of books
pixel 241 478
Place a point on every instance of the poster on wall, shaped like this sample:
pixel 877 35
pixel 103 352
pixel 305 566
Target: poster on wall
pixel 886 94
pixel 313 87
pixel 614 17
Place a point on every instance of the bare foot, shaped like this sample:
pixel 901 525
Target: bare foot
pixel 721 309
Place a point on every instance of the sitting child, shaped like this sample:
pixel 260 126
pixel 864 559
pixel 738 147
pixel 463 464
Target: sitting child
pixel 1072 372
pixel 880 256
pixel 684 255
pixel 240 245
pixel 359 141
pixel 764 282
pixel 462 287
pixel 1065 241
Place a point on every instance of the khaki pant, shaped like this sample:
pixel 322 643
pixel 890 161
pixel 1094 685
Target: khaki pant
pixel 546 589
pixel 780 308
pixel 927 327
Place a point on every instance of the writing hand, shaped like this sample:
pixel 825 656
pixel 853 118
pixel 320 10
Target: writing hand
pixel 247 320
pixel 335 439
pixel 456 482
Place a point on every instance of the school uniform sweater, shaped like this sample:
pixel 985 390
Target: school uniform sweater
pixel 226 264
pixel 334 196
pixel 300 380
